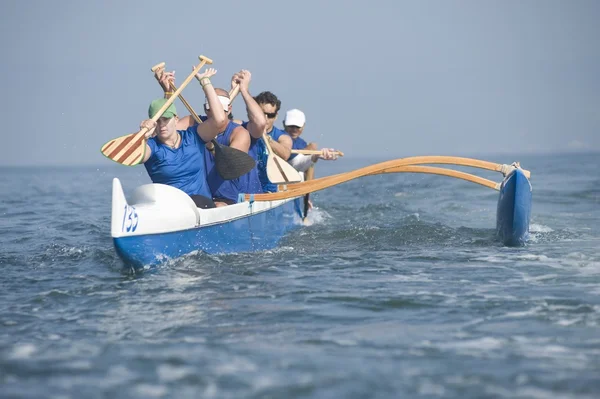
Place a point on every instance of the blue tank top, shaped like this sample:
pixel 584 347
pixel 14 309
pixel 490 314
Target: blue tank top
pixel 276 133
pixel 250 182
pixel 297 144
pixel 260 154
pixel 182 167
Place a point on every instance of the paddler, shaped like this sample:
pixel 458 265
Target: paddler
pixel 176 157
pixel 293 124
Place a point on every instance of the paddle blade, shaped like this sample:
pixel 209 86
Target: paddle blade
pixel 306 206
pixel 281 172
pixel 232 163
pixel 127 150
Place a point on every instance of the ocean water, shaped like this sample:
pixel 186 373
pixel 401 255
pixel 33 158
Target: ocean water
pixel 397 289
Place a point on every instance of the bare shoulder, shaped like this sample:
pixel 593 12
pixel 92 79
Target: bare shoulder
pixel 285 138
pixel 239 130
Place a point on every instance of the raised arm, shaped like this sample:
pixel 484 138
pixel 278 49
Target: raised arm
pixel 166 80
pixel 212 126
pixel 150 125
pixel 302 162
pixel 257 121
pixel 282 147
pixel 240 139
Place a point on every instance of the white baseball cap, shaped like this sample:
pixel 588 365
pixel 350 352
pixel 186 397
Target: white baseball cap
pixel 294 117
pixel 225 101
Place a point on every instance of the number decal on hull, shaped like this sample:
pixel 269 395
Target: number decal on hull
pixel 130 219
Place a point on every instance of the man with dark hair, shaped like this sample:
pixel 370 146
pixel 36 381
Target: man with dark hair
pixel 280 141
pixel 265 106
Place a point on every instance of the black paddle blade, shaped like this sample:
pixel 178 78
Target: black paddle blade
pixel 232 163
pixel 306 206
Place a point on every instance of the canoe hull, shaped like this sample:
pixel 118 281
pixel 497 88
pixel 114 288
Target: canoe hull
pixel 160 224
pixel 514 209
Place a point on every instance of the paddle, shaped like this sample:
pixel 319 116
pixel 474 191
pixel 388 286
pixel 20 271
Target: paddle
pixel 129 150
pixel 278 170
pixel 231 163
pixel 330 181
pixel 315 152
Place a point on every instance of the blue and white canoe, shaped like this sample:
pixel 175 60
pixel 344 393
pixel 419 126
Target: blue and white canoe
pixel 514 209
pixel 160 222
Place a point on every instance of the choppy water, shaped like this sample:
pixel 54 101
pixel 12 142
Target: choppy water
pixel 398 289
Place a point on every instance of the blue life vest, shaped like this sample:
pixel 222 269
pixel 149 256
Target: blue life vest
pixel 182 167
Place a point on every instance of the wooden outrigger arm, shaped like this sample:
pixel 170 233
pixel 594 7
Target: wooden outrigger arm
pixel 401 165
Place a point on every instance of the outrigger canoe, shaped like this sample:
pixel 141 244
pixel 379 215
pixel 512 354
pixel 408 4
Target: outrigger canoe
pixel 160 222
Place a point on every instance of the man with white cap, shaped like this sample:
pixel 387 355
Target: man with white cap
pixel 294 126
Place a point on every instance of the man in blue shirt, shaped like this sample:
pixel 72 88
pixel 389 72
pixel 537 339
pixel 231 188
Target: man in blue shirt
pixel 175 157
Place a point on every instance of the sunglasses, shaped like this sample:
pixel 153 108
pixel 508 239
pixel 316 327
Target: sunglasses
pixel 270 115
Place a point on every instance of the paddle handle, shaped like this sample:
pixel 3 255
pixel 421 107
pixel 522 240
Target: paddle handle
pixel 160 65
pixel 232 93
pixel 315 152
pixel 187 105
pixel 203 60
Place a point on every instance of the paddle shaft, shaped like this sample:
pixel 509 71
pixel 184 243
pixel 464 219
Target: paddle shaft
pixel 315 152
pixel 274 157
pixel 124 151
pixel 178 91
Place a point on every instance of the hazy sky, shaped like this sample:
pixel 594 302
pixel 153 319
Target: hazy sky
pixel 375 78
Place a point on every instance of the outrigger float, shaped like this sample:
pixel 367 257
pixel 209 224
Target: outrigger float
pixel 160 222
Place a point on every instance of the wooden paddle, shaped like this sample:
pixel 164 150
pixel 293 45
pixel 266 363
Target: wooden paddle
pixel 278 170
pixel 129 150
pixel 231 163
pixel 330 181
pixel 316 152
